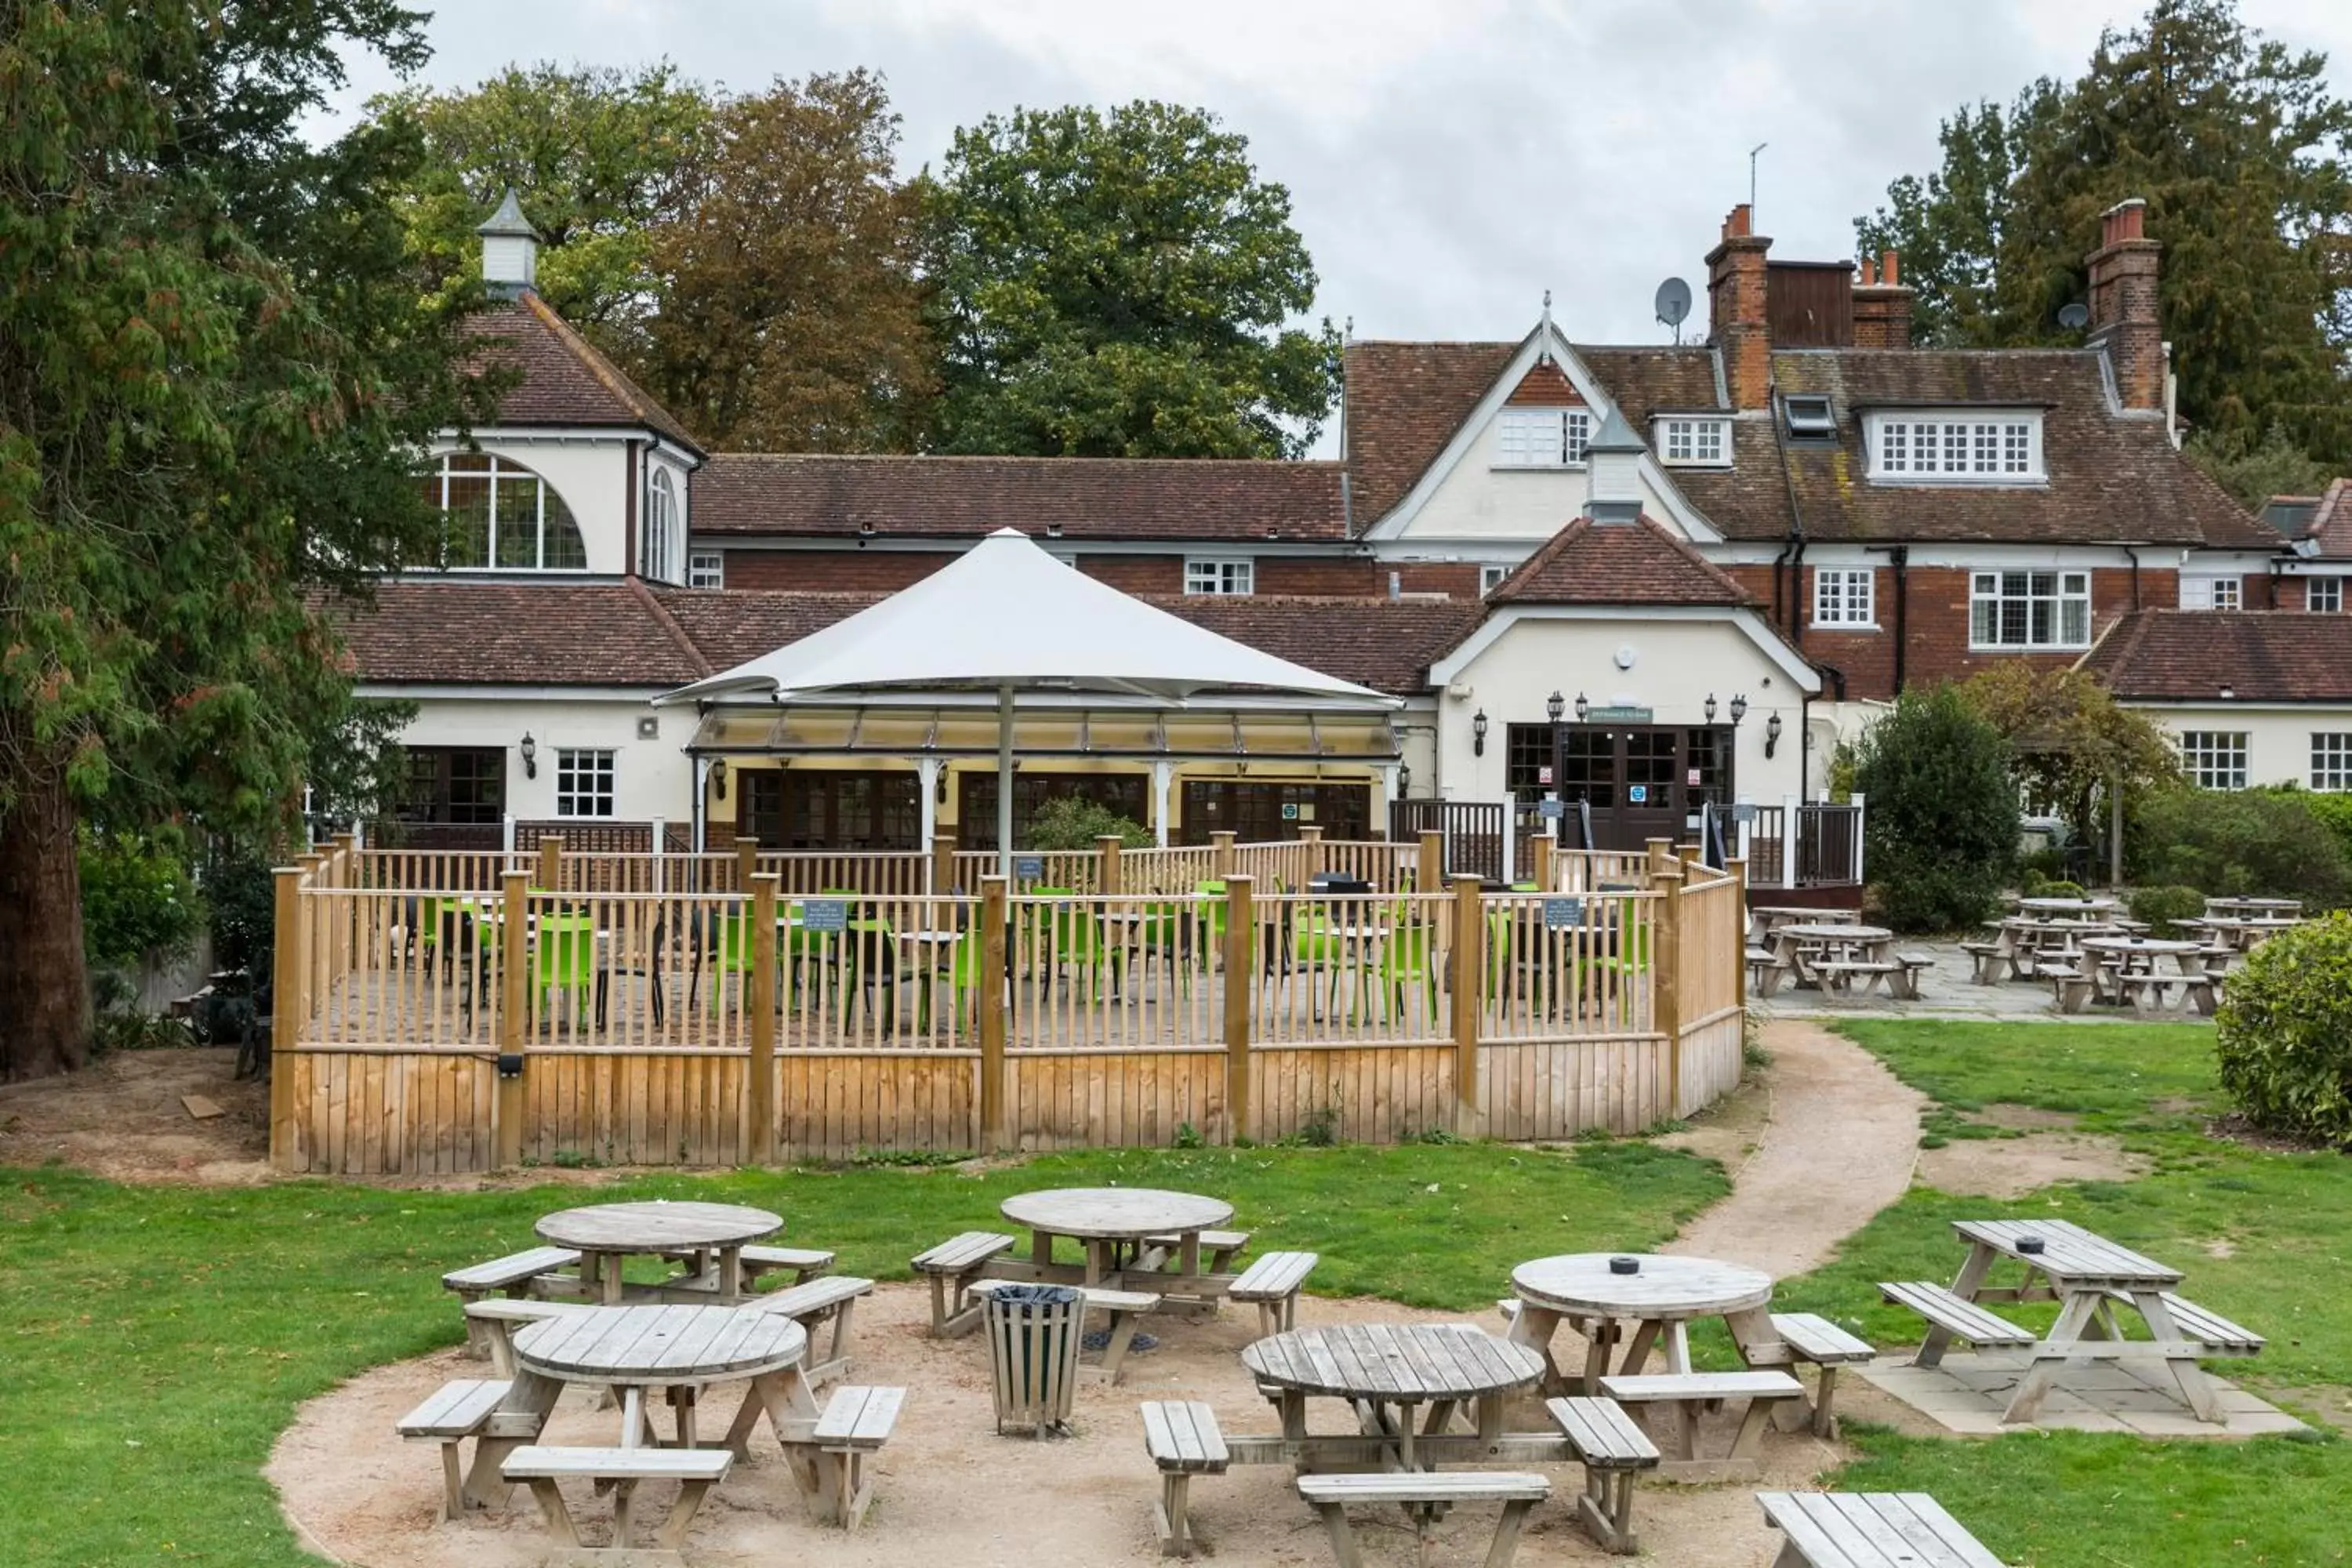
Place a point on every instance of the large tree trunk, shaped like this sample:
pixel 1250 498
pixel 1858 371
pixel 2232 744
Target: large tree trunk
pixel 43 982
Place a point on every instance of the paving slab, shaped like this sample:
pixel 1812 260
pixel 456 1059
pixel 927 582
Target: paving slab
pixel 1966 1393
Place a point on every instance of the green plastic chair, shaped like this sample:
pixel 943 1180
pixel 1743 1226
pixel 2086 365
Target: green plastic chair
pixel 1313 941
pixel 727 945
pixel 1215 921
pixel 567 957
pixel 1404 963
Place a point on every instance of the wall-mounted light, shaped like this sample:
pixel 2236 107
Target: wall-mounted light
pixel 1739 708
pixel 940 788
pixel 719 778
pixel 529 756
pixel 1583 707
pixel 1709 708
pixel 1555 705
pixel 1478 733
pixel 1771 734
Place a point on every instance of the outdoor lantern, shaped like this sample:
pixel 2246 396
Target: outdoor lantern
pixel 529 756
pixel 1555 705
pixel 1404 781
pixel 718 776
pixel 1739 708
pixel 1583 707
pixel 1710 708
pixel 1478 733
pixel 1771 734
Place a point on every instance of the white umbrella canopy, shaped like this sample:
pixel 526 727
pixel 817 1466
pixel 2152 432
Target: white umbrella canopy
pixel 1008 617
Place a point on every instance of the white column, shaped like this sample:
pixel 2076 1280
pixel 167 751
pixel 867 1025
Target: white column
pixel 506 834
pixel 661 852
pixel 1790 806
pixel 701 803
pixel 1745 829
pixel 926 769
pixel 1162 776
pixel 1859 801
pixel 1388 797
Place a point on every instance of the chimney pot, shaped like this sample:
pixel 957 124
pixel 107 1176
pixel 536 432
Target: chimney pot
pixel 1740 223
pixel 1869 272
pixel 1887 273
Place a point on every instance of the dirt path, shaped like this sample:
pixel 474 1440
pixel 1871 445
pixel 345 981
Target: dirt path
pixel 1839 1145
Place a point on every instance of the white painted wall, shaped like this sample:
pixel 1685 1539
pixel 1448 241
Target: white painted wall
pixel 591 476
pixel 650 778
pixel 1478 500
pixel 1675 665
pixel 661 459
pixel 2278 738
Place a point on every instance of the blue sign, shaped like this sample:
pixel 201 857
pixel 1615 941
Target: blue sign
pixel 1029 867
pixel 1551 810
pixel 1745 811
pixel 825 914
pixel 1637 794
pixel 1563 914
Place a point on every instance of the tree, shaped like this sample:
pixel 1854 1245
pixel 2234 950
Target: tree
pixel 789 319
pixel 2071 742
pixel 1942 827
pixel 214 376
pixel 1116 286
pixel 601 157
pixel 2252 472
pixel 2241 150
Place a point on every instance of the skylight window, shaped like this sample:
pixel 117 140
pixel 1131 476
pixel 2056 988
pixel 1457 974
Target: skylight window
pixel 1808 414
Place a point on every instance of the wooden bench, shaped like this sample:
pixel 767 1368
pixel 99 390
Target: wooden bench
pixel 1870 1530
pixel 805 1263
pixel 1182 1439
pixel 1125 1309
pixel 495 1320
pixel 1686 1392
pixel 954 1265
pixel 855 1424
pixel 2146 990
pixel 1218 1247
pixel 1765 971
pixel 516 1274
pixel 1991 959
pixel 696 1470
pixel 1812 1337
pixel 2219 1336
pixel 1951 1317
pixel 1613 1451
pixel 2071 987
pixel 1273 1282
pixel 810 1305
pixel 1906 984
pixel 455 1411
pixel 1838 973
pixel 1421 1491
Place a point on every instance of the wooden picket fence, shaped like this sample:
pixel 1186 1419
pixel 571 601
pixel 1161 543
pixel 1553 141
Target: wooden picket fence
pixel 439 1012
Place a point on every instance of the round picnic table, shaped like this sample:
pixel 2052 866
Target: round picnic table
pixel 2069 906
pixel 711 1235
pixel 1386 1370
pixel 681 1350
pixel 1657 1301
pixel 1115 1221
pixel 2149 947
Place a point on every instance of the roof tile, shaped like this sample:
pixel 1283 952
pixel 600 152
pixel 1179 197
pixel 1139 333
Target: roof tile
pixel 1637 563
pixel 2262 655
pixel 564 379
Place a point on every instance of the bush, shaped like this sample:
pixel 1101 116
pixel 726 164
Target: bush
pixel 2250 842
pixel 242 894
pixel 137 898
pixel 1069 822
pixel 1943 819
pixel 2334 813
pixel 2284 1034
pixel 2160 907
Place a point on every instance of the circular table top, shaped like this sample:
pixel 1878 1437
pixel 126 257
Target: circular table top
pixel 2139 944
pixel 657 1226
pixel 1665 1287
pixel 1110 1213
pixel 2253 903
pixel 2071 906
pixel 1837 933
pixel 1401 1362
pixel 660 1344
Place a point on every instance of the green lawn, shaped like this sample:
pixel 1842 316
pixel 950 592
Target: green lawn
pixel 159 1338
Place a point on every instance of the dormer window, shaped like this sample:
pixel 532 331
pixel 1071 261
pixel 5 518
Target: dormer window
pixel 502 517
pixel 1809 414
pixel 1541 437
pixel 1959 447
pixel 1691 441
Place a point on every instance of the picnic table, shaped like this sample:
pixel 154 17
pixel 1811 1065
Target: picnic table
pixel 1656 1302
pixel 1827 955
pixel 1140 1239
pixel 1386 1373
pixel 2070 906
pixel 2253 907
pixel 1765 921
pixel 1870 1530
pixel 711 1236
pixel 2243 933
pixel 2121 967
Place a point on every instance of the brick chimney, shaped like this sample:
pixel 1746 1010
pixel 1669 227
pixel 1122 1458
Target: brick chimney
pixel 1881 305
pixel 2124 321
pixel 1738 323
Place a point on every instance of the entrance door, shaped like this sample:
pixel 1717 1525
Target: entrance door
pixel 1641 782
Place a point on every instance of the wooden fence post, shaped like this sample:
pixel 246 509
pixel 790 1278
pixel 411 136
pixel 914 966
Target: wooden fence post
pixel 286 1014
pixel 1661 854
pixel 747 863
pixel 514 969
pixel 943 866
pixel 1469 1000
pixel 760 1002
pixel 1665 978
pixel 1107 849
pixel 1547 857
pixel 1221 848
pixel 1429 876
pixel 989 991
pixel 1310 835
pixel 1738 870
pixel 551 863
pixel 1241 975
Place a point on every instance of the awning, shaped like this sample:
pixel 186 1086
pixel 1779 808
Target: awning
pixel 805 730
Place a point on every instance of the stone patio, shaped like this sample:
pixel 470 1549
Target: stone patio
pixel 1946 991
pixel 1968 1393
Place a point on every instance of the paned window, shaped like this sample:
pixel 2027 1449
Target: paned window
pixel 583 783
pixel 706 569
pixel 2029 609
pixel 1491 577
pixel 502 517
pixel 1695 443
pixel 1541 437
pixel 1908 446
pixel 659 558
pixel 2213 593
pixel 1527 760
pixel 1207 575
pixel 455 783
pixel 2214 759
pixel 1843 597
pixel 2324 596
pixel 2331 760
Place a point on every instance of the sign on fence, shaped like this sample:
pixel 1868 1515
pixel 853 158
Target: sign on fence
pixel 1744 811
pixel 824 914
pixel 1563 914
pixel 1028 867
pixel 1551 810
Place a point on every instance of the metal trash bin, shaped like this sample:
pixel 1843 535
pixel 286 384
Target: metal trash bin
pixel 1034 1333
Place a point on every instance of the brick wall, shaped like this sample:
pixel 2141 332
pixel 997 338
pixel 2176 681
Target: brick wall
pixel 1326 576
pixel 831 571
pixel 1138 573
pixel 1456 579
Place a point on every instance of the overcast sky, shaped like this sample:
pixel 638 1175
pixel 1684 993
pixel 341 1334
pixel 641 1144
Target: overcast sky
pixel 1447 160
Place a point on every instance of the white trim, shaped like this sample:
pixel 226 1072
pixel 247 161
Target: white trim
pixel 1489 631
pixel 456 691
pixel 560 434
pixel 1868 597
pixel 1659 439
pixel 1222 566
pixel 1875 440
pixel 935 543
pixel 2060 598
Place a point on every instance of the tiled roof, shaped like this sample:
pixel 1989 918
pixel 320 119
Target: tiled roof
pixel 1385 644
pixel 2262 656
pixel 2112 478
pixel 1645 381
pixel 1635 562
pixel 1404 402
pixel 2331 523
pixel 1089 498
pixel 564 379
pixel 738 624
pixel 504 632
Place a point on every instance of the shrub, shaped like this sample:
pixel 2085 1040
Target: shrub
pixel 242 894
pixel 2284 1034
pixel 2334 813
pixel 137 898
pixel 2256 843
pixel 1069 822
pixel 2058 888
pixel 1943 820
pixel 2160 907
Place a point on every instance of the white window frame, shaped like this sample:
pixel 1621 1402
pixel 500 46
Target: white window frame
pixel 1547 438
pixel 2331 760
pixel 657 557
pixel 1955 446
pixel 1222 576
pixel 2067 591
pixel 1846 598
pixel 2214 759
pixel 503 472
pixel 706 569
pixel 2212 590
pixel 585 776
pixel 2315 588
pixel 1491 576
pixel 1693 441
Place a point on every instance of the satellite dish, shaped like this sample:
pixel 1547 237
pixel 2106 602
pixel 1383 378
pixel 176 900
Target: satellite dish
pixel 1673 303
pixel 2073 315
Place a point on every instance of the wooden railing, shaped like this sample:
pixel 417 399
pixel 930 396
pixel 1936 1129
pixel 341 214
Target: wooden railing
pixel 576 1010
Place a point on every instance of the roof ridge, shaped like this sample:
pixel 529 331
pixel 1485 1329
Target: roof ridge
pixel 668 624
pixel 632 396
pixel 1300 463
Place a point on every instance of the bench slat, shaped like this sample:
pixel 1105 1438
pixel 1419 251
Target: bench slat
pixel 1673 1385
pixel 1274 1274
pixel 1945 1310
pixel 1183 1436
pixel 1604 1435
pixel 960 1253
pixel 1427 1486
pixel 454 1409
pixel 758 1257
pixel 501 1272
pixel 1815 1339
pixel 2207 1327
pixel 625 1464
pixel 1211 1240
pixel 816 1296
pixel 1097 1299
pixel 859 1417
pixel 521 1310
